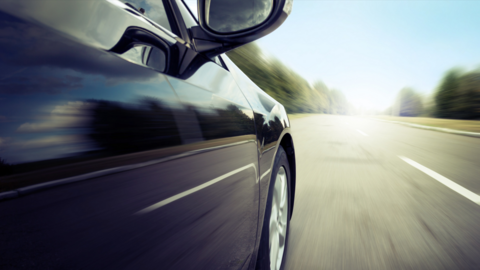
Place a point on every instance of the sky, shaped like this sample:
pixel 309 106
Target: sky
pixel 371 49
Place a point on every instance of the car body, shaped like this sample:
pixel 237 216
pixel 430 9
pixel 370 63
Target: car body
pixel 113 160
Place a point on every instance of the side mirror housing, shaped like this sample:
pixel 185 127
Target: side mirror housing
pixel 227 24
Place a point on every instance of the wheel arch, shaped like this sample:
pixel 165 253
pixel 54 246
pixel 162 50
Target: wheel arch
pixel 287 143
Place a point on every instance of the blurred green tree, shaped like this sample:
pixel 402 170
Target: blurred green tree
pixel 458 95
pixel 321 97
pixel 447 93
pixel 467 102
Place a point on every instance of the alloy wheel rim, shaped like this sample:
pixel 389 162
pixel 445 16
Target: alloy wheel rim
pixel 278 220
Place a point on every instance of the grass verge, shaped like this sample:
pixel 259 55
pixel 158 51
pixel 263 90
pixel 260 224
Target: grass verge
pixel 300 115
pixel 464 125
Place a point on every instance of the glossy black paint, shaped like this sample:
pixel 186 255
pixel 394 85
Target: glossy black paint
pixel 73 102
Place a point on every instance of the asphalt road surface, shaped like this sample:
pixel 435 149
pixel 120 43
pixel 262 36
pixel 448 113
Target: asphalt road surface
pixel 359 205
pixel 370 195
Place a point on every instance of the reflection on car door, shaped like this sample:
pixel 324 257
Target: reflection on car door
pixel 222 120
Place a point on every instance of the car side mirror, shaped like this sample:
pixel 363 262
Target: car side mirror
pixel 227 24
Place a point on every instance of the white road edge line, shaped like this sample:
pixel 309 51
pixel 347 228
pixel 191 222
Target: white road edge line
pixel 447 182
pixel 264 174
pixel 361 132
pixel 445 130
pixel 195 189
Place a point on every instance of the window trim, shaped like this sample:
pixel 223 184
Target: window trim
pixel 185 34
pixel 181 24
pixel 223 63
pixel 171 17
pixel 191 13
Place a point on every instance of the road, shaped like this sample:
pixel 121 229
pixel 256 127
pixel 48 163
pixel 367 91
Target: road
pixel 370 195
pixel 360 206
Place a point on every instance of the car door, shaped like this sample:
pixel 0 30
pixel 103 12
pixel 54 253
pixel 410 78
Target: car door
pixel 220 118
pixel 153 168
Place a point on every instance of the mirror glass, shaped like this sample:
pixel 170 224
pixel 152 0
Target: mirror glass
pixel 227 16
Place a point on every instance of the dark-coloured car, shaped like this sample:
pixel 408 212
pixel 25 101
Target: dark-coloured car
pixel 129 140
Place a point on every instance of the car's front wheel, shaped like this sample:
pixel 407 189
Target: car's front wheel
pixel 273 244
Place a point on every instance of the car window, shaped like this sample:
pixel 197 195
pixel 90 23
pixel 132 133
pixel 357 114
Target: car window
pixel 192 6
pixel 187 16
pixel 154 10
pixel 216 59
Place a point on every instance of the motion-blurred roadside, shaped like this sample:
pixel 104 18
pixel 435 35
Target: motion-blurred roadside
pixel 286 86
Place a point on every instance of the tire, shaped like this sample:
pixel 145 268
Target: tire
pixel 277 219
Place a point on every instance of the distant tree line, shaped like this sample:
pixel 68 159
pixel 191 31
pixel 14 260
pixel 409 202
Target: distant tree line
pixel 456 97
pixel 286 86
